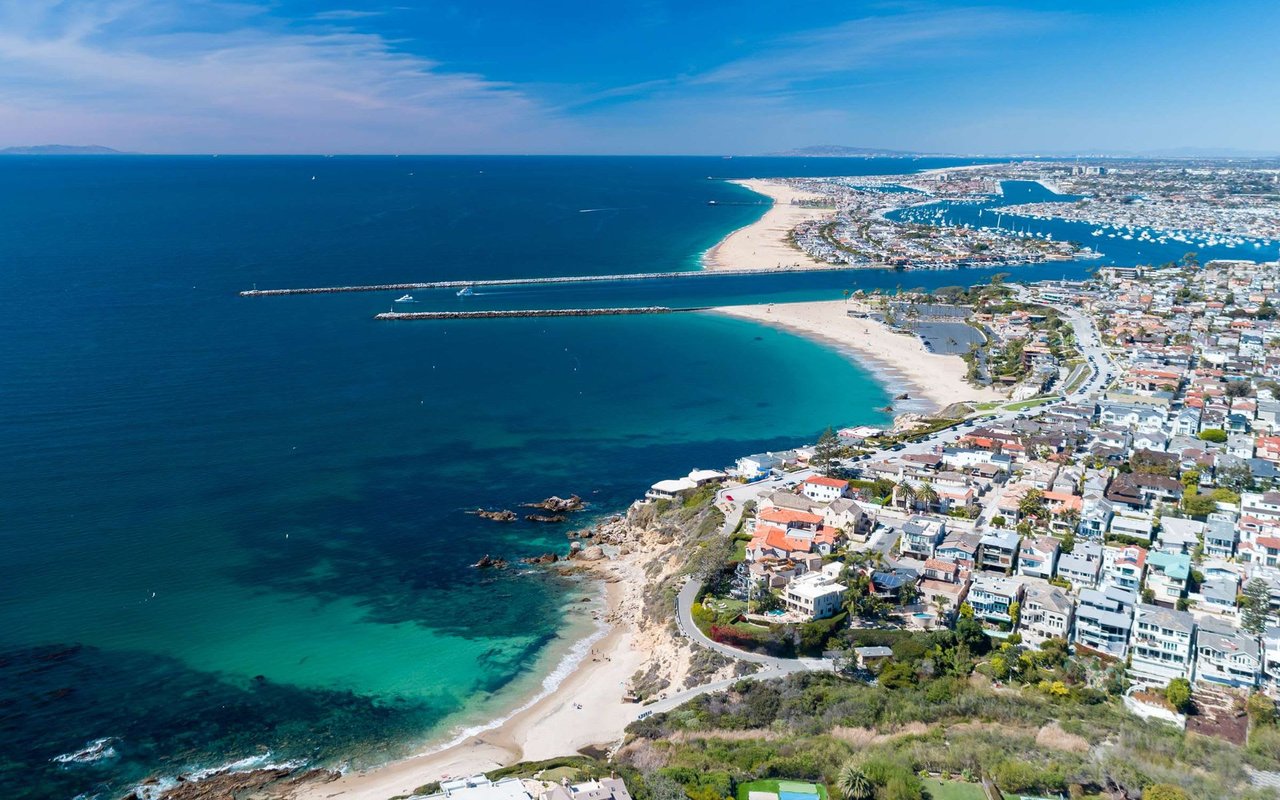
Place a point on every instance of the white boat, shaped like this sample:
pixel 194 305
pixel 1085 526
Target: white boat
pixel 466 291
pixel 408 298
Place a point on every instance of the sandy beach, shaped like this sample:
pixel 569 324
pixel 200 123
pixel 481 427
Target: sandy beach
pixel 899 358
pixel 765 244
pixel 586 709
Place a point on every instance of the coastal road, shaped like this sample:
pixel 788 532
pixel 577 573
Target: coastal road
pixel 778 666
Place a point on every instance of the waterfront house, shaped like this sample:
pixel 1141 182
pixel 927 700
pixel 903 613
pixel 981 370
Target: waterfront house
pixel 816 595
pixel 1046 614
pixel 821 489
pixel 1161 645
pixel 1104 620
pixel 992 597
pixel 758 465
pixel 602 789
pixel 479 787
pixel 1227 657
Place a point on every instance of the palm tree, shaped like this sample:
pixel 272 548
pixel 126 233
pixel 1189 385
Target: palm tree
pixel 853 783
pixel 927 494
pixel 907 494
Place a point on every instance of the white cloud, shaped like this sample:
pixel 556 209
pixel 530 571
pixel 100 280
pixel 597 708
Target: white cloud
pixel 75 71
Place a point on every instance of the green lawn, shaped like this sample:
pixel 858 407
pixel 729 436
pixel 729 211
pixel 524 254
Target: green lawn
pixel 772 786
pixel 953 790
pixel 1032 403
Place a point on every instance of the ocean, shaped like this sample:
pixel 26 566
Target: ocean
pixel 235 528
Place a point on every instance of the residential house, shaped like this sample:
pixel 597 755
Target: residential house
pixel 1104 620
pixel 1220 538
pixel 1037 557
pixel 992 597
pixel 1167 575
pixel 1046 614
pixel 1123 566
pixel 1161 645
pixel 920 535
pixel 821 489
pixel 816 595
pixel 998 551
pixel 1227 656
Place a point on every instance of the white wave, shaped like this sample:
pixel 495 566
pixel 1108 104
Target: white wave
pixel 567 664
pixel 96 750
pixel 155 790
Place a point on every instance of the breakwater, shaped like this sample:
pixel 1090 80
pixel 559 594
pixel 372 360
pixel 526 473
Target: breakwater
pixel 532 312
pixel 459 284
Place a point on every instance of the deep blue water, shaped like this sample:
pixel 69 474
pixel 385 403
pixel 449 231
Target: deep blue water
pixel 235 527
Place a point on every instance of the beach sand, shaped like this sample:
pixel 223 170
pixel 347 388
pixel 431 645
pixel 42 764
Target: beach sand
pixel 552 726
pixel 765 243
pixel 898 358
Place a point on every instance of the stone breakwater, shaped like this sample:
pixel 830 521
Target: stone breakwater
pixel 459 284
pixel 532 312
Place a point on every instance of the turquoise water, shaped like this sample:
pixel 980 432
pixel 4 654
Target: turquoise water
pixel 236 527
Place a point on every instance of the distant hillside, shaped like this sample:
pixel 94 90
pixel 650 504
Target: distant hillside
pixel 60 150
pixel 840 151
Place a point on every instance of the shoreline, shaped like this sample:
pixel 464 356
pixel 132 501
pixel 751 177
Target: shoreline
pixel 584 709
pixel 896 361
pixel 764 244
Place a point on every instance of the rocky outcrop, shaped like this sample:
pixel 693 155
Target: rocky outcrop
pixel 545 558
pixel 497 516
pixel 545 517
pixel 269 782
pixel 488 562
pixel 559 505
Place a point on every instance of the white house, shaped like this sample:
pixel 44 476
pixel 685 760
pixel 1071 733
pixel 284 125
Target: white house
pixel 823 490
pixel 754 466
pixel 816 595
pixel 1038 557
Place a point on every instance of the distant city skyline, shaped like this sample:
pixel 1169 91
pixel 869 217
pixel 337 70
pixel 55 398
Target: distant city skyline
pixel 1151 78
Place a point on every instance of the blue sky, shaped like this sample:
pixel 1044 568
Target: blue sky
pixel 514 76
